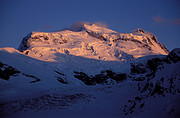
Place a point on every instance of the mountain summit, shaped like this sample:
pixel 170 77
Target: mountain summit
pixel 92 41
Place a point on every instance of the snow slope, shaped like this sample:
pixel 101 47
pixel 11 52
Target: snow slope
pixel 151 88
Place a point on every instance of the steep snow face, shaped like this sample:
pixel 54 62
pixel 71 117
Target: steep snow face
pixel 91 41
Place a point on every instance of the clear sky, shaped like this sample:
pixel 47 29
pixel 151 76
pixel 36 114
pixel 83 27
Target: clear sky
pixel 19 17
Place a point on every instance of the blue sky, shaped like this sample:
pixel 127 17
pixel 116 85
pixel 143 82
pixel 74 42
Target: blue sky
pixel 19 17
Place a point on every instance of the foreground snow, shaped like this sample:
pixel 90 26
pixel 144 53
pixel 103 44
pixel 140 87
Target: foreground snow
pixel 131 97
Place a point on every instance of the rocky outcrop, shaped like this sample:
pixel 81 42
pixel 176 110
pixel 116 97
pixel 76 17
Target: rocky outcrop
pixel 151 84
pixel 7 71
pixel 105 77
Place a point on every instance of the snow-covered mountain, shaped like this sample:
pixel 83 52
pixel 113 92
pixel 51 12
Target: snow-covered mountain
pixel 91 70
pixel 91 41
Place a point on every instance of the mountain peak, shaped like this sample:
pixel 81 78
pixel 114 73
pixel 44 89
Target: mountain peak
pixel 92 40
pixel 139 30
pixel 97 27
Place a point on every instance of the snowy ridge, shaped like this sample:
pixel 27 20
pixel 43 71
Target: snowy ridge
pixel 92 41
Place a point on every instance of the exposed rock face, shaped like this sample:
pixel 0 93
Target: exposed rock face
pixel 106 77
pixel 153 82
pixel 7 71
pixel 174 55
